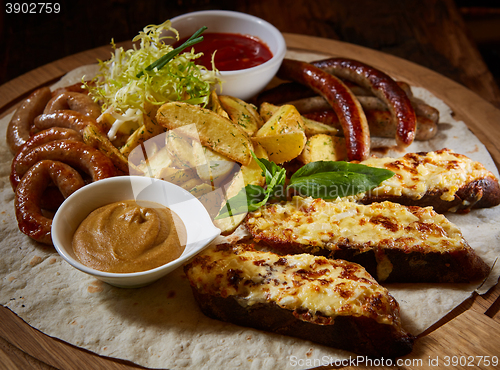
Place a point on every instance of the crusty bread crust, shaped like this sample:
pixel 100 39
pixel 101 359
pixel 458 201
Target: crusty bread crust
pixel 462 266
pixel 360 335
pixel 482 193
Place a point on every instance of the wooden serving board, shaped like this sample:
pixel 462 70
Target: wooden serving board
pixel 468 332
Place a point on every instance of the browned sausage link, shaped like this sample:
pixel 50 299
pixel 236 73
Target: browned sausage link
pixel 29 193
pixel 81 103
pixel 77 87
pixel 343 102
pixel 42 137
pixel 74 153
pixel 382 86
pixel 64 118
pixel 379 122
pixel 18 130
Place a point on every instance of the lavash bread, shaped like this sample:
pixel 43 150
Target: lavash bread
pixel 332 302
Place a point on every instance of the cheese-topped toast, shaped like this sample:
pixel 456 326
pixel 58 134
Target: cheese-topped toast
pixel 395 243
pixel 331 302
pixel 443 179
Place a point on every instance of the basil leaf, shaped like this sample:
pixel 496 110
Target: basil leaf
pixel 252 197
pixel 329 179
pixel 249 199
pixel 270 169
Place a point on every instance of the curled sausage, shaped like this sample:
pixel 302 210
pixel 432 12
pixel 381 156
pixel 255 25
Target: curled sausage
pixel 18 130
pixel 383 87
pixel 379 122
pixel 64 118
pixel 74 153
pixel 342 100
pixel 75 101
pixel 28 196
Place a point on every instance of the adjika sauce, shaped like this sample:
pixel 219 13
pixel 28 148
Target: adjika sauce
pixel 232 51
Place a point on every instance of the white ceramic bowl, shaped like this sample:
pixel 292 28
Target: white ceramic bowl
pixel 248 82
pixel 199 227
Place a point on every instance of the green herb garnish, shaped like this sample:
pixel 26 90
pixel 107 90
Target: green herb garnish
pixel 159 63
pixel 322 179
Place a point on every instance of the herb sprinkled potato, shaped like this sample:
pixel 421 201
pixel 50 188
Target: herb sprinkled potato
pixel 214 131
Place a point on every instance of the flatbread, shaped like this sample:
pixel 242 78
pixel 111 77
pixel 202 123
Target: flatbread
pixel 160 326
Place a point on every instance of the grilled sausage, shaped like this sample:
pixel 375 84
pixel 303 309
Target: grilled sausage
pixel 18 130
pixel 342 100
pixel 382 86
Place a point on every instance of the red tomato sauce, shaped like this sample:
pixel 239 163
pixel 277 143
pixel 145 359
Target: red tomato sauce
pixel 233 51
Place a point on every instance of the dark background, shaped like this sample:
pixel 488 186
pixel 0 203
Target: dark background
pixel 29 41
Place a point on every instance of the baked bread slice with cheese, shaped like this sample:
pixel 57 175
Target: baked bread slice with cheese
pixel 443 179
pixel 332 302
pixel 395 243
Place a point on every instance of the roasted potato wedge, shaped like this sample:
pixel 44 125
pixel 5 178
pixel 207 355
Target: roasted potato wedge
pixel 241 113
pixel 153 166
pixel 180 149
pixel 311 127
pixel 214 131
pixel 177 176
pixel 211 166
pixel 228 224
pixel 323 147
pixel 282 136
pixel 216 105
pixel 149 129
pixel 252 173
pixel 95 138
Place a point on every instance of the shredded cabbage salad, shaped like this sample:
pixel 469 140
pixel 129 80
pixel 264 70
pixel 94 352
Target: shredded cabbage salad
pixel 126 97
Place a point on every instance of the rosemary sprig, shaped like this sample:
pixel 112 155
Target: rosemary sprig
pixel 160 62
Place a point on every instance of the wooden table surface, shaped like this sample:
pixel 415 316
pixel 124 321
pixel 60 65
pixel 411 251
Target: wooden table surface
pixel 473 328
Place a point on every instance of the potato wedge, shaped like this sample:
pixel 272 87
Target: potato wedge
pixel 95 138
pixel 211 166
pixel 149 129
pixel 311 127
pixel 228 224
pixel 323 147
pixel 241 113
pixel 215 132
pixel 177 176
pixel 252 173
pixel 180 148
pixel 282 136
pixel 216 105
pixel 153 166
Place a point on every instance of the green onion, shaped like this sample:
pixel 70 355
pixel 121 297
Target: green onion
pixel 159 63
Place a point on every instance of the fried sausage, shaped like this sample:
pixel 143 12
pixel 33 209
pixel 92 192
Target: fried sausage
pixel 75 101
pixel 18 130
pixel 383 87
pixel 379 122
pixel 342 100
pixel 64 118
pixel 28 196
pixel 74 153
pixel 42 137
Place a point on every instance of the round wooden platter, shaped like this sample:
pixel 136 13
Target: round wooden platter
pixel 472 329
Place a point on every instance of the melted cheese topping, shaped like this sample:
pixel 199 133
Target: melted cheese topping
pixel 315 288
pixel 418 174
pixel 320 224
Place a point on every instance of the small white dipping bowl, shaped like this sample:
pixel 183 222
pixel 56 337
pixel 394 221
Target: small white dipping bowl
pixel 243 83
pixel 199 227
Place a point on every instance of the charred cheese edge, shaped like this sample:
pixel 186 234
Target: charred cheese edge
pixel 320 224
pixel 418 174
pixel 313 287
